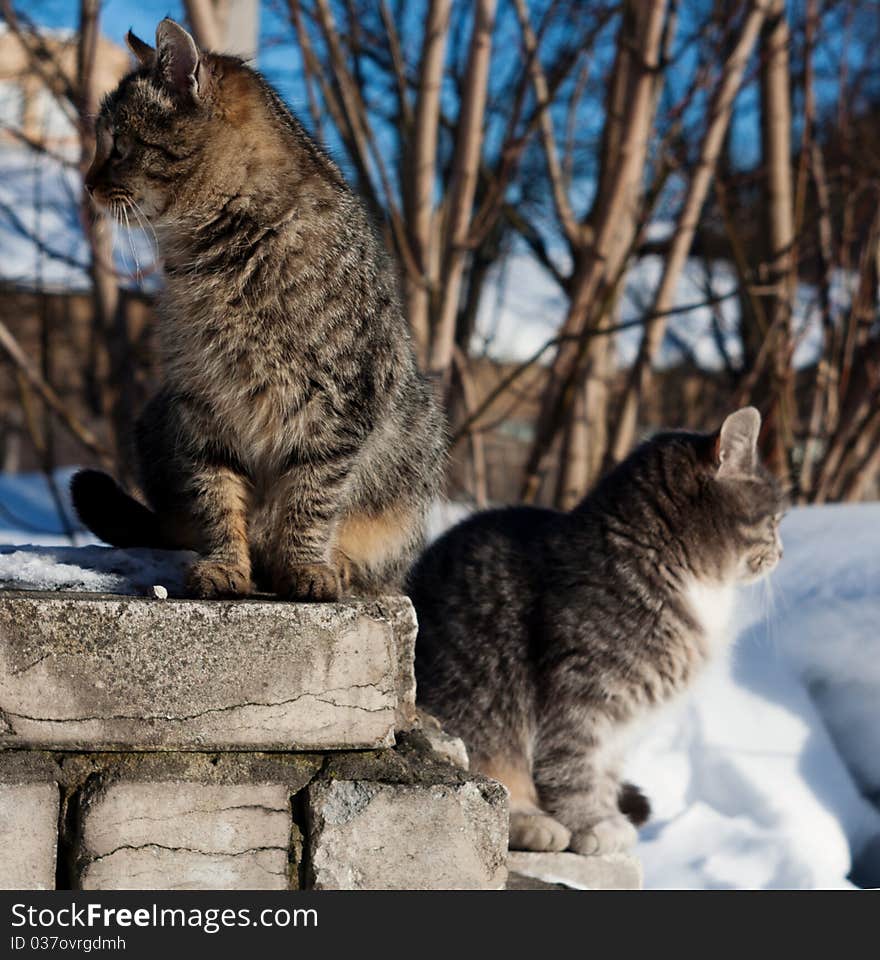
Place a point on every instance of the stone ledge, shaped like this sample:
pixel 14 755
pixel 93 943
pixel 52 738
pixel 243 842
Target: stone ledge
pixel 401 818
pixel 612 871
pixel 112 673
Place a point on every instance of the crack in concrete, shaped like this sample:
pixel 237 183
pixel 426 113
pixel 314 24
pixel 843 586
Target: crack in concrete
pixel 5 715
pixel 183 849
pixel 196 810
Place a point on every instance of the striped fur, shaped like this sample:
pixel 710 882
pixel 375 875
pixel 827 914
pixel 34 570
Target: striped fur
pixel 546 639
pixel 294 443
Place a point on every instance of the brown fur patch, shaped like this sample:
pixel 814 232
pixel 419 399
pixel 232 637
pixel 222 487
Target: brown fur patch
pixel 222 514
pixel 369 541
pixel 344 569
pixel 240 95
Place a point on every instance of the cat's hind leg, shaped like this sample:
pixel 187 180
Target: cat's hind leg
pixel 614 834
pixel 530 827
pixel 578 786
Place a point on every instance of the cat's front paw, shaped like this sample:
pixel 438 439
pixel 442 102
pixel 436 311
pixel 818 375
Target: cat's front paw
pixel 537 831
pixel 208 579
pixel 315 582
pixel 612 835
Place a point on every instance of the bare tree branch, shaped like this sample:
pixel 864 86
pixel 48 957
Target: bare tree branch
pixel 422 173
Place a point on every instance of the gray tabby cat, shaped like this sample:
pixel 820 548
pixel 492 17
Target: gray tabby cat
pixel 544 637
pixel 293 444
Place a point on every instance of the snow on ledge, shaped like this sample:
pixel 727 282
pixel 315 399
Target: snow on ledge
pixel 93 569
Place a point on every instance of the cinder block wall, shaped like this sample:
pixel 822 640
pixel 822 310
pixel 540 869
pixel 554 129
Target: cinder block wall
pixel 149 744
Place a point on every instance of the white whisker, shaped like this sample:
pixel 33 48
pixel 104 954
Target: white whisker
pixel 145 224
pixel 131 244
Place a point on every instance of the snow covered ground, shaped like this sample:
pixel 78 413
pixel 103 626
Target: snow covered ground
pixel 759 779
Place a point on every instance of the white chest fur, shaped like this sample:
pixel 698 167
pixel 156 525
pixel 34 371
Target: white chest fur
pixel 711 604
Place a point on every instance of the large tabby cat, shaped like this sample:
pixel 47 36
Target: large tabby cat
pixel 544 637
pixel 294 443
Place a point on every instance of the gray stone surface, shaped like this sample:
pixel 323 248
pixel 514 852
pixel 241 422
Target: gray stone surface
pixel 612 871
pixel 95 673
pixel 447 746
pixel 403 820
pixel 518 881
pixel 178 835
pixel 28 833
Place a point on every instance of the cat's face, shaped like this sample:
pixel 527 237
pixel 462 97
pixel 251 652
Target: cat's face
pixel 155 131
pixel 725 524
pixel 139 153
pixel 755 512
pixel 749 496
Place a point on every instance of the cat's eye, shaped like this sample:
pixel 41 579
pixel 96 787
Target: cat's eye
pixel 121 148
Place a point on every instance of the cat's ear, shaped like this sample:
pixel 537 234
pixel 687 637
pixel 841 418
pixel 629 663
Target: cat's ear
pixel 177 59
pixel 145 54
pixel 736 447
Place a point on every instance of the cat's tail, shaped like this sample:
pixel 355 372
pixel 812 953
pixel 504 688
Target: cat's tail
pixel 111 514
pixel 634 804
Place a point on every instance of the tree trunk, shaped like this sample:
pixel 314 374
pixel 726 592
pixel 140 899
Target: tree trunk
pixel 465 167
pixel 775 390
pixel 99 235
pixel 600 249
pixel 422 176
pixel 718 119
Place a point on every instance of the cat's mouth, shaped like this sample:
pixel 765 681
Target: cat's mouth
pixel 124 209
pixel 118 206
pixel 113 202
pixel 127 211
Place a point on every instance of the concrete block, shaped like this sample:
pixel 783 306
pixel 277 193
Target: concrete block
pixel 405 822
pixel 401 615
pixel 102 673
pixel 28 828
pixel 169 822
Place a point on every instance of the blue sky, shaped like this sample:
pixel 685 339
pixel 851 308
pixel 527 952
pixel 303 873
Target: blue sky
pixel 280 62
pixel 118 16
